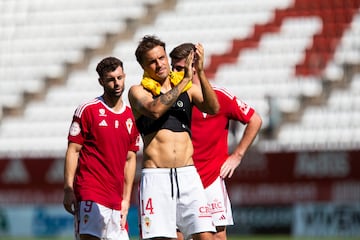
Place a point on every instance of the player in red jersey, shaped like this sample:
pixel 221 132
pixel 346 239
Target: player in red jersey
pixel 210 140
pixel 101 159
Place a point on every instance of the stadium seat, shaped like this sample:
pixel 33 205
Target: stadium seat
pixel 254 48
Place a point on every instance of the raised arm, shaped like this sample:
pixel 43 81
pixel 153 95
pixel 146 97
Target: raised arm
pixel 143 103
pixel 205 99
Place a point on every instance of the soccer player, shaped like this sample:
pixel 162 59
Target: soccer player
pixel 171 192
pixel 210 140
pixel 100 159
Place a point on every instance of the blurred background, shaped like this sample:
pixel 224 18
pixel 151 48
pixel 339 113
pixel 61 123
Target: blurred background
pixel 297 62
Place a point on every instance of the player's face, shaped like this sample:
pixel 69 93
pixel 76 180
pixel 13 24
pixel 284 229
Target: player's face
pixel 114 82
pixel 156 64
pixel 178 65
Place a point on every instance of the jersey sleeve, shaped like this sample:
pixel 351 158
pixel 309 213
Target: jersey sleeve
pixel 135 144
pixel 78 127
pixel 135 135
pixel 234 108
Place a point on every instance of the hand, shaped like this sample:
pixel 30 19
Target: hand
pixel 125 205
pixel 69 202
pixel 188 71
pixel 229 166
pixel 199 57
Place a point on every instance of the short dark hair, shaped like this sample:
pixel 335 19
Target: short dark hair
pixel 181 51
pixel 147 43
pixel 108 64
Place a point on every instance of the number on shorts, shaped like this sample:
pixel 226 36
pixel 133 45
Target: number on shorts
pixel 88 206
pixel 148 207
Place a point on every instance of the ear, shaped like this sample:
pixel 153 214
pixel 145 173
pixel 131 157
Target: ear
pixel 101 82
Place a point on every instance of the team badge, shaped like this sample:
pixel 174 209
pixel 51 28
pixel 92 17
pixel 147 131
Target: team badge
pixel 179 103
pixel 147 222
pixel 86 218
pixel 129 124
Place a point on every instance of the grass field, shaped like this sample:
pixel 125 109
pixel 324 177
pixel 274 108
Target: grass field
pixel 229 238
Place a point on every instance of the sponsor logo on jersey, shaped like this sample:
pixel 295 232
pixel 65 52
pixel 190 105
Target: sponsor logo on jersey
pixel 103 123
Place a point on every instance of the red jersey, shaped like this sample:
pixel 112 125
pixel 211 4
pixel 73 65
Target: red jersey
pixel 106 137
pixel 210 134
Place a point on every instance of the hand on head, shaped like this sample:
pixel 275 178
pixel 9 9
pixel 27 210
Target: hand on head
pixel 199 57
pixel 188 66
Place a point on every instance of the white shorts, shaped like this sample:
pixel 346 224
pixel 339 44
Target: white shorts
pixel 97 220
pixel 219 203
pixel 170 199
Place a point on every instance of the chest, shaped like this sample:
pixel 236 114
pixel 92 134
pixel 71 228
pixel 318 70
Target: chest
pixel 107 125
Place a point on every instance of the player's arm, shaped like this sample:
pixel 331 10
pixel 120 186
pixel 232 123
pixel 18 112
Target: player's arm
pixel 71 162
pixel 206 99
pixel 251 130
pixel 143 103
pixel 129 175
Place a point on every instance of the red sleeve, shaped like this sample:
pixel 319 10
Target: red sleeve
pixel 135 137
pixel 233 107
pixel 78 129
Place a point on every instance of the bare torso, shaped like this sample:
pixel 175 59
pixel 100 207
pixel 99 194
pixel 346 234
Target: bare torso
pixel 167 149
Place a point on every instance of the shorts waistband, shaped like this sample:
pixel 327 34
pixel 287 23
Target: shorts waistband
pixel 188 168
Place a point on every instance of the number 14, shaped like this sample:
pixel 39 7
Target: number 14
pixel 147 207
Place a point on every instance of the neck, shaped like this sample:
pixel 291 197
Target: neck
pixel 166 85
pixel 114 103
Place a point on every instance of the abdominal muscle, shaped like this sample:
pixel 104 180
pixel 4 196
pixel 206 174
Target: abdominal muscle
pixel 167 149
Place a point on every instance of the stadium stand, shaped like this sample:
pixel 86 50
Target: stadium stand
pixel 40 43
pixel 303 54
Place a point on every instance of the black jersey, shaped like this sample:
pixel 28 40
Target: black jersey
pixel 176 119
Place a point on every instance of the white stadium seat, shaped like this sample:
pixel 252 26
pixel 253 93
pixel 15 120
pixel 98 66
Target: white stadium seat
pixel 37 37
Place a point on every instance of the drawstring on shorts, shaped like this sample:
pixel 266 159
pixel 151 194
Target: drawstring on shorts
pixel 173 170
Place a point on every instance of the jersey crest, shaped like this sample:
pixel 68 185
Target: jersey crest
pixel 129 125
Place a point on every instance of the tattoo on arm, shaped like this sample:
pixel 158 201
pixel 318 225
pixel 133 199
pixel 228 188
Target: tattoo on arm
pixel 170 96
